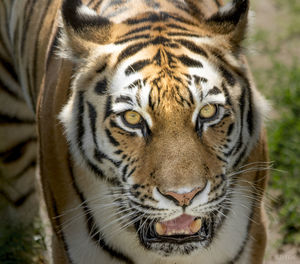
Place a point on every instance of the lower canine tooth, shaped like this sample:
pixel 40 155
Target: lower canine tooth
pixel 160 229
pixel 196 225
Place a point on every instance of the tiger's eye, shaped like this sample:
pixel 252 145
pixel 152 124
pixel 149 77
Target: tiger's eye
pixel 208 111
pixel 132 117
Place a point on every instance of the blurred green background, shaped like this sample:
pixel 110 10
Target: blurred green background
pixel 273 49
pixel 275 63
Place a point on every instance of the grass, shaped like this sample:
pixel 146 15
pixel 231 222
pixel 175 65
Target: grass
pixel 21 244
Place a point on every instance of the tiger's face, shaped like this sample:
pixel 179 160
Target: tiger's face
pixel 163 123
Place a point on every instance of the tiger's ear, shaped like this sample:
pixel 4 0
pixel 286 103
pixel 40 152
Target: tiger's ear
pixel 83 29
pixel 231 22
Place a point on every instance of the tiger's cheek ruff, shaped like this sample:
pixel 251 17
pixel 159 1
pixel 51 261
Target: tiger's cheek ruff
pixel 98 137
pixel 81 126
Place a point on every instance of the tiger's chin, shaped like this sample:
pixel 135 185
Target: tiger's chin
pixel 180 236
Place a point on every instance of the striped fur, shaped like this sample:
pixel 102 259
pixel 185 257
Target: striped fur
pixel 78 67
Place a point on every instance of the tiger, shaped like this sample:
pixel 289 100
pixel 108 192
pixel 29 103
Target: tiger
pixel 144 125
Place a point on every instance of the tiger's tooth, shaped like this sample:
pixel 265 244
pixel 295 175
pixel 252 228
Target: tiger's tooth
pixel 196 225
pixel 160 229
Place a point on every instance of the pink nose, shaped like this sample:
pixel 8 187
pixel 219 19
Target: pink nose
pixel 183 199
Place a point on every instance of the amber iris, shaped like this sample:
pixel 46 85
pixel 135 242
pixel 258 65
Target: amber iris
pixel 208 111
pixel 132 117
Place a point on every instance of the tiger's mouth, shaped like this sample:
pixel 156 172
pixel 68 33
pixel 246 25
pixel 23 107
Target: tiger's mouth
pixel 180 230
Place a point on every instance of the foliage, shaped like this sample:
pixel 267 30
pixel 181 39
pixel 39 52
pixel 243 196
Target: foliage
pixel 21 244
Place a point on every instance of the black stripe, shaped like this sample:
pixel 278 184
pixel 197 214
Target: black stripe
pixel 16 152
pixel 99 155
pixel 152 17
pixel 124 172
pixel 10 69
pixel 137 30
pixel 29 166
pixel 191 96
pixel 19 201
pixel 187 61
pixel 102 68
pixel 124 99
pixel 137 66
pixel 192 47
pixel 58 230
pixel 163 41
pixel 214 91
pixel 221 159
pixel 7 90
pixel 230 129
pixel 53 46
pixel 157 57
pixel 136 83
pixel 171 25
pixel 131 172
pixel 198 79
pixel 101 87
pixel 99 2
pixel 136 37
pixel 144 206
pixel 240 157
pixel 227 96
pixel 80 133
pixel 181 34
pixel 5 119
pixel 93 120
pixel 156 17
pixel 228 76
pixel 90 2
pixel 158 28
pixel 112 140
pixel 80 127
pixel 108 107
pixel 131 50
pixel 250 120
pixel 242 101
pixel 179 96
pixel 92 228
pixel 199 127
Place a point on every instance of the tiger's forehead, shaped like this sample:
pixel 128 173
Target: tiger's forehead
pixel 166 79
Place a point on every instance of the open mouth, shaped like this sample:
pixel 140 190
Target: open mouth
pixel 180 230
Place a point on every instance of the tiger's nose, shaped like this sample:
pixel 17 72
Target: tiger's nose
pixel 183 199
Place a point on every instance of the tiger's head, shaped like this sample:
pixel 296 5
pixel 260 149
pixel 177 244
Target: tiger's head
pixel 161 114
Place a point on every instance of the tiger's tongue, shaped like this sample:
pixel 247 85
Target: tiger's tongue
pixel 184 224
